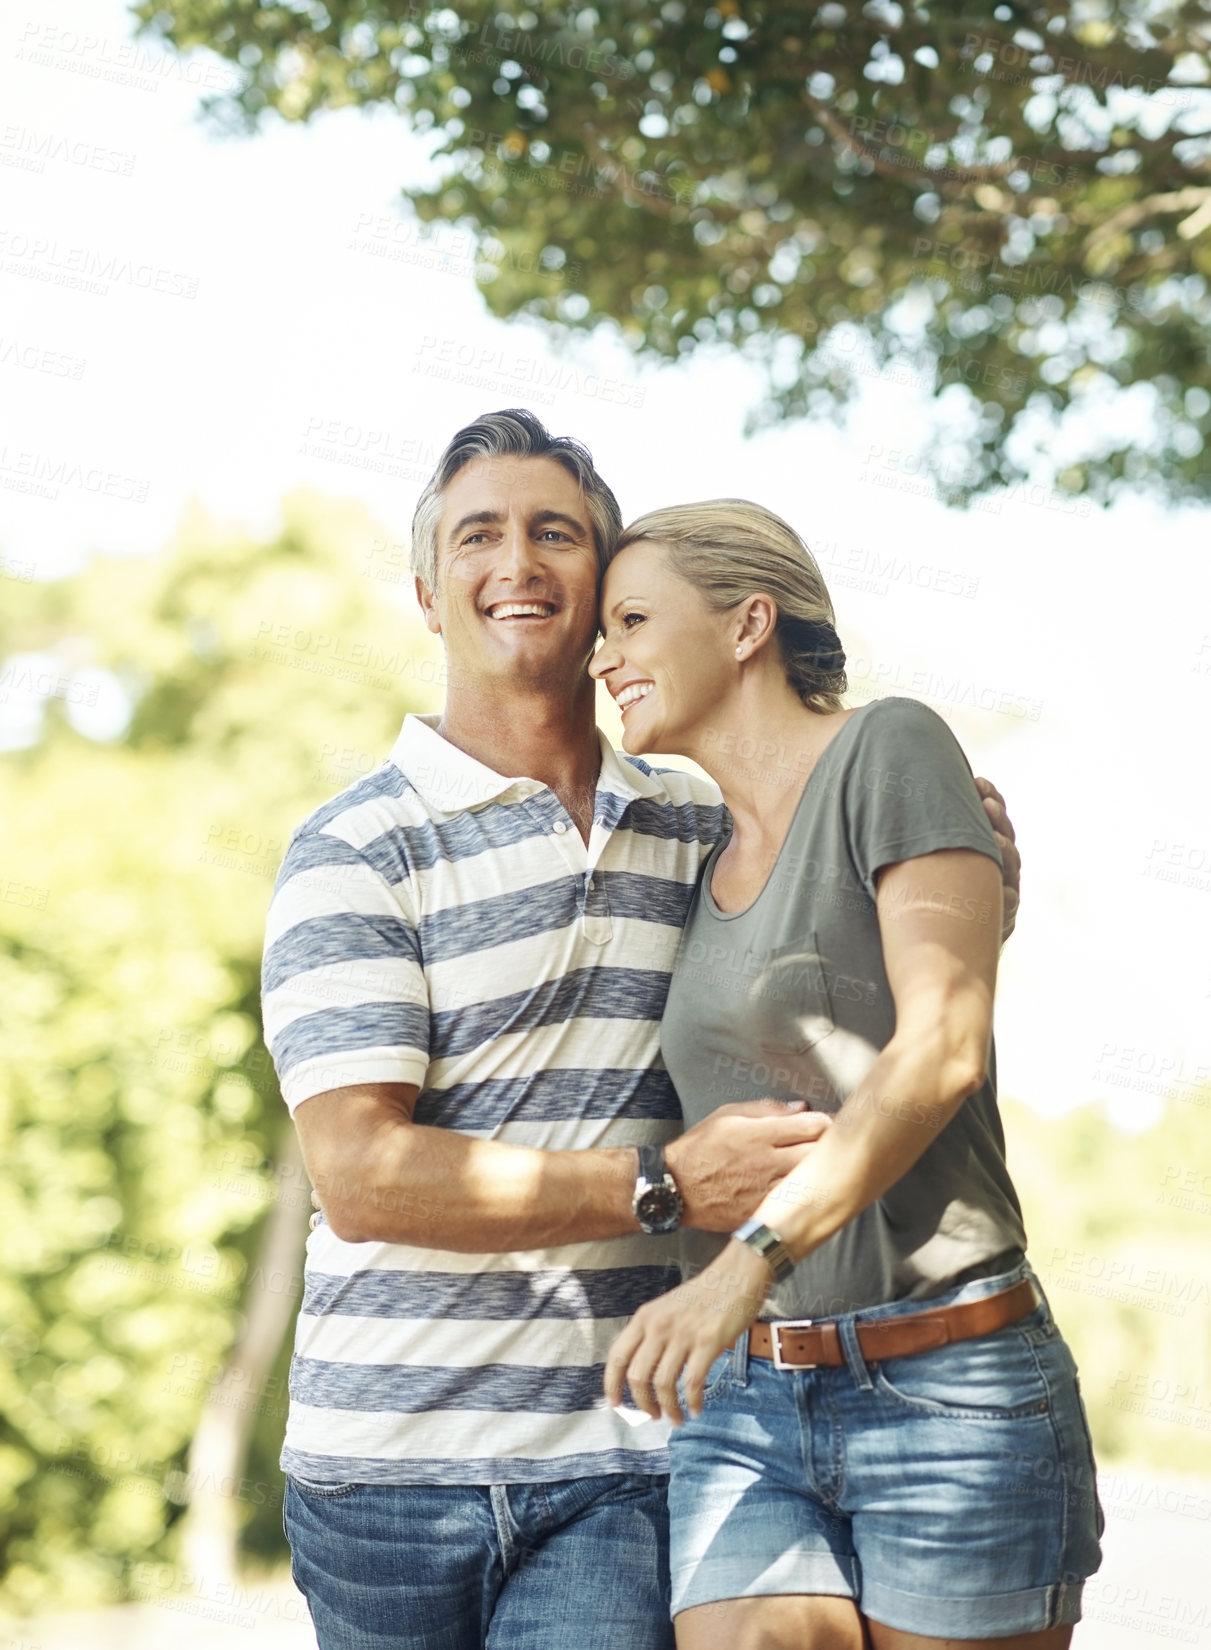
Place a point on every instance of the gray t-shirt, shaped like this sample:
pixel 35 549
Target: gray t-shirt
pixel 789 998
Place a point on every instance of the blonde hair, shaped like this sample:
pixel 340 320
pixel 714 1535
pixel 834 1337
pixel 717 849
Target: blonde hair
pixel 729 549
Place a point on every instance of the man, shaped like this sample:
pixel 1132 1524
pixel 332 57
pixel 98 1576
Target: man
pixel 467 959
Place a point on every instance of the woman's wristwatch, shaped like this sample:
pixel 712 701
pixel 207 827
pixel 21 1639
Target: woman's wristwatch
pixel 768 1245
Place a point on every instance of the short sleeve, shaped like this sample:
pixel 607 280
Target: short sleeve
pixel 343 991
pixel 909 790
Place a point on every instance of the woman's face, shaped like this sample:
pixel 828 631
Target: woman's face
pixel 665 654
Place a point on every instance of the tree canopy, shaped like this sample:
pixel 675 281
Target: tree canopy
pixel 1007 203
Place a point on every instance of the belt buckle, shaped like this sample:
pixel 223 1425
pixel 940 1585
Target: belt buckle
pixel 776 1338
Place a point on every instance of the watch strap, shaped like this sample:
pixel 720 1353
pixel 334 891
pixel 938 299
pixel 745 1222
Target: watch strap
pixel 764 1241
pixel 651 1164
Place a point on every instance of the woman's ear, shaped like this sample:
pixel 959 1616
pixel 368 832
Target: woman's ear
pixel 757 618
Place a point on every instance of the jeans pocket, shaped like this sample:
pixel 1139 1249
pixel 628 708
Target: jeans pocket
pixel 323 1492
pixel 990 1378
pixel 718 1376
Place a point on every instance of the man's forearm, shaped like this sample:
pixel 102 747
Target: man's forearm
pixel 441 1190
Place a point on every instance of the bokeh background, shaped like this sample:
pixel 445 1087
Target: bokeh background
pixel 228 360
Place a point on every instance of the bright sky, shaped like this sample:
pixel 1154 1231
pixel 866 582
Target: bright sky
pixel 192 317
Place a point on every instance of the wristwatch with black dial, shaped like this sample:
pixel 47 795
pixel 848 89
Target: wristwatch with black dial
pixel 657 1203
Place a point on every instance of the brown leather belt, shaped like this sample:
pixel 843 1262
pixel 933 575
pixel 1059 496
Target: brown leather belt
pixel 802 1344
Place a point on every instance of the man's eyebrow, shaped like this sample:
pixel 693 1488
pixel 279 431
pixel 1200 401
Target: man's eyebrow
pixel 542 518
pixel 476 518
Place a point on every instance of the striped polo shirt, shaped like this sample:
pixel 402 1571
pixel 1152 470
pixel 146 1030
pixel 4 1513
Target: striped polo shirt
pixel 441 924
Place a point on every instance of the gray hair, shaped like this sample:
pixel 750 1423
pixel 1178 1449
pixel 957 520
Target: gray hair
pixel 729 549
pixel 515 433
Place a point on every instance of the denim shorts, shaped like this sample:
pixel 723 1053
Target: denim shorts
pixel 949 1494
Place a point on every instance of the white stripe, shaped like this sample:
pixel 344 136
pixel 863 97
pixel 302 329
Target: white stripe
pixel 339 1071
pixel 460 1433
pixel 594 1045
pixel 483 976
pixel 332 1255
pixel 569 1136
pixel 349 985
pixel 463 1343
pixel 326 891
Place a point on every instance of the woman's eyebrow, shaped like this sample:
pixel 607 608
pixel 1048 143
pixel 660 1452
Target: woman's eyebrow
pixel 624 601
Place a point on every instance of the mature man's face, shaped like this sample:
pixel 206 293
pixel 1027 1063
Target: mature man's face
pixel 517 573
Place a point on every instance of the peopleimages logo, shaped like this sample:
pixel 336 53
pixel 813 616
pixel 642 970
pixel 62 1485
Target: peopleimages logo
pixel 501 371
pixel 40 258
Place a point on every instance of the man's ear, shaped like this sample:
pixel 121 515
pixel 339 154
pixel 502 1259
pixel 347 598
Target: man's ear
pixel 428 607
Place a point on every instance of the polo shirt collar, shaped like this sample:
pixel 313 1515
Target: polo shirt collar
pixel 449 781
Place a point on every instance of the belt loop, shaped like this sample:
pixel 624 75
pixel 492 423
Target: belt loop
pixel 740 1359
pixel 847 1330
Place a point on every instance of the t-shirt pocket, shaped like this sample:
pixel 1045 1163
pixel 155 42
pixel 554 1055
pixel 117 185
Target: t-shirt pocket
pixel 789 1007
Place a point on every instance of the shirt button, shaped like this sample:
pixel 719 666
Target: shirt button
pixel 559 827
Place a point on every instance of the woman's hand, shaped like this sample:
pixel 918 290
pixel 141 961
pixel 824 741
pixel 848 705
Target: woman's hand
pixel 686 1330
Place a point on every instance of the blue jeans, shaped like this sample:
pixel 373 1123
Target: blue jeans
pixel 581 1562
pixel 949 1494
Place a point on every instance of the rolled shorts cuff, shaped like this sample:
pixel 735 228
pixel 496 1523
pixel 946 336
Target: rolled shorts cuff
pixel 990 1616
pixel 714 1579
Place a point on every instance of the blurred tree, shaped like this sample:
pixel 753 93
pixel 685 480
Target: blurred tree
pixel 1010 203
pixel 143 1279
pixel 1120 1235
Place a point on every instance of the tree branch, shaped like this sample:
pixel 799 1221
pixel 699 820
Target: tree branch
pixel 1195 198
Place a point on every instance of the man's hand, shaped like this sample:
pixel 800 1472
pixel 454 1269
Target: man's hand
pixel 1011 876
pixel 726 1164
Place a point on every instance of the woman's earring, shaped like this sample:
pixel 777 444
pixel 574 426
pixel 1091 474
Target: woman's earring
pixel 739 651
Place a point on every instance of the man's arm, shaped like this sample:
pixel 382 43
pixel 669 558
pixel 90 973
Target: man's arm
pixel 382 1178
pixel 1011 875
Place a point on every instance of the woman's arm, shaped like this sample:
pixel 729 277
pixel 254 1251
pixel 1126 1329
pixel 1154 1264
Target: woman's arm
pixel 940 926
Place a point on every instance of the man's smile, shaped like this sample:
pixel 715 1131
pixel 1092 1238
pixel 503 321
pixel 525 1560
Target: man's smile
pixel 521 610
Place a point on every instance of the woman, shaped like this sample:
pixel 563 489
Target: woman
pixel 886 1444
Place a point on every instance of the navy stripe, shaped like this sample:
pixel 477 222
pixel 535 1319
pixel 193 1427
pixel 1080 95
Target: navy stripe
pixel 648 898
pixel 337 1031
pixel 551 1096
pixel 677 821
pixel 582 993
pixel 517 914
pixel 475 1469
pixel 464 836
pixel 410 1389
pixel 343 937
pixel 313 850
pixel 497 1296
pixel 385 781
